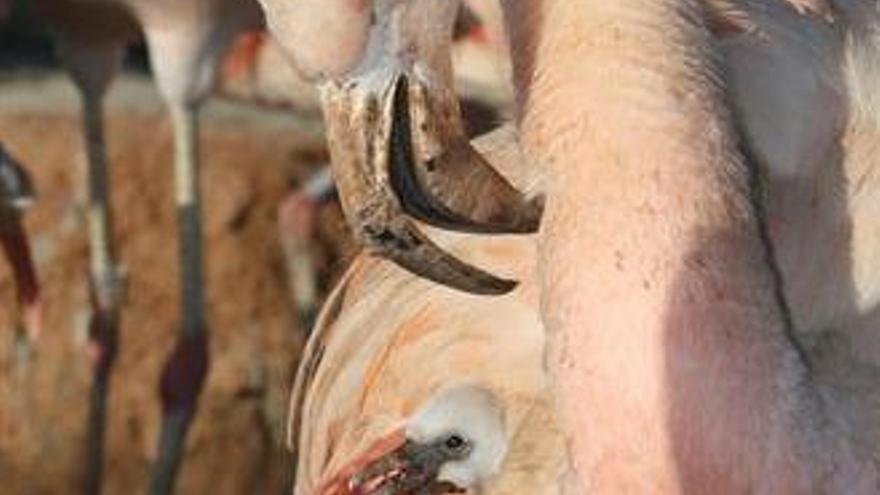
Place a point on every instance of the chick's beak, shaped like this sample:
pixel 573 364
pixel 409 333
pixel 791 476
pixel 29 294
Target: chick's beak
pixel 393 465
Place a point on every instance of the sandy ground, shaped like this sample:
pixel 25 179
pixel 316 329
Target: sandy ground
pixel 249 159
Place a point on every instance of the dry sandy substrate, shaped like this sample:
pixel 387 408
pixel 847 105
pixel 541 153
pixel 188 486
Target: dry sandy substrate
pixel 249 156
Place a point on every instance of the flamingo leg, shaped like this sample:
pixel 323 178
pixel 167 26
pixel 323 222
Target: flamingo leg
pixel 16 248
pixel 106 286
pixel 16 194
pixel 186 177
pixel 102 264
pixel 297 215
pixel 171 440
pixel 185 371
pixel 91 53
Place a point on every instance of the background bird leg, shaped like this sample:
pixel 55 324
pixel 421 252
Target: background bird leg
pixel 185 371
pixel 91 71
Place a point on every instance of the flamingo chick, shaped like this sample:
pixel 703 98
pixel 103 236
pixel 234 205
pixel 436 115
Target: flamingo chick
pixel 454 443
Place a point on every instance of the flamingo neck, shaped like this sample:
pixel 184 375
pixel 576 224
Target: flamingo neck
pixel 668 345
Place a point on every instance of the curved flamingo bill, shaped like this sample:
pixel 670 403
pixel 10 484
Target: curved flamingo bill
pixel 399 152
pixel 439 178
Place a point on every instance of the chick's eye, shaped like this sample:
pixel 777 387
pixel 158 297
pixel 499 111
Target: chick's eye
pixel 456 444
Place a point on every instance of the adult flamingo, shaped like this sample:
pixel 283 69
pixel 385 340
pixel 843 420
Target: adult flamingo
pixel 676 368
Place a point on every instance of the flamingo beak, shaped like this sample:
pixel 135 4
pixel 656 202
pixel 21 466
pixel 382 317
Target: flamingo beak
pixel 393 465
pixel 400 153
pixel 395 159
pixel 439 177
